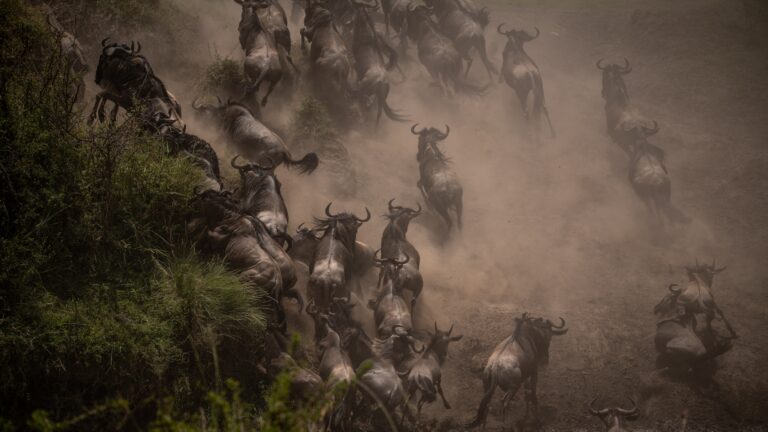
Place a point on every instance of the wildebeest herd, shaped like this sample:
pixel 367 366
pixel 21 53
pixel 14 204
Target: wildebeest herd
pixel 248 227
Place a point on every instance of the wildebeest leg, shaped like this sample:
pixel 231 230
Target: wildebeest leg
pixel 423 193
pixel 489 66
pixel 489 386
pixel 99 100
pixel 443 211
pixel 469 59
pixel 459 208
pixel 269 92
pixel 113 114
pixel 508 396
pixel 439 385
pixel 531 401
pixel 418 409
pixel 522 96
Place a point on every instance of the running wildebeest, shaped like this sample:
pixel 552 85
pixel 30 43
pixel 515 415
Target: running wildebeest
pixel 266 59
pixel 332 262
pixel 620 117
pixel 522 74
pixel 390 309
pixel 260 196
pixel 127 78
pixel 335 369
pixel 374 58
pixel 515 362
pixel 181 143
pixel 253 139
pixel 395 245
pixel 613 418
pixel 424 373
pixel 437 182
pixel 696 297
pixel 437 52
pixel 330 60
pixel 464 24
pixel 395 16
pixel 649 177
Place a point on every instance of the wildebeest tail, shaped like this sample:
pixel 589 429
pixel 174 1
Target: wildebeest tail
pixel 305 165
pixel 426 386
pixel 382 94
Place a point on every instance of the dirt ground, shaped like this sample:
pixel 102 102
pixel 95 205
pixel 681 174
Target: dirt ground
pixel 554 228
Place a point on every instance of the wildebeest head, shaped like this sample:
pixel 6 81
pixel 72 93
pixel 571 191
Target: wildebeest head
pixel 613 417
pixel 613 83
pixel 254 176
pixel 539 332
pixel 398 344
pixel 638 135
pixel 429 136
pixel 705 272
pixel 343 225
pixel 516 38
pixel 122 58
pixel 214 206
pixel 402 216
pixel 439 340
pixel 390 269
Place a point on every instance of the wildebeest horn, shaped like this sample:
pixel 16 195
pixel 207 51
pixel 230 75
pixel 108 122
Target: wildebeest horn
pixel 450 330
pixel 389 205
pixel 328 210
pixel 138 47
pixel 627 68
pixel 407 258
pixel 298 228
pixel 195 105
pixel 559 330
pixel 501 32
pixel 413 130
pixel 628 412
pixel 238 167
pixel 419 210
pixel 598 64
pixel 447 131
pixel 651 131
pixel 596 412
pixel 562 324
pixel 672 288
pixel 311 307
pixel 104 42
pixel 538 32
pixel 367 218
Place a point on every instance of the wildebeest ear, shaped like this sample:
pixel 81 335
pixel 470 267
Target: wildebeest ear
pixel 456 338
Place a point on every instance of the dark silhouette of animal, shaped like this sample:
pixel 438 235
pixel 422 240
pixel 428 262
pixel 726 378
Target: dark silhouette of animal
pixel 332 262
pixel 521 73
pixel 395 245
pixel 649 177
pixel 620 116
pixel 128 79
pixel 253 139
pixel 437 52
pixel 463 23
pixel 331 65
pixel 374 58
pixel 390 309
pixel 613 418
pixel 424 373
pixel 437 182
pixel 515 362
pixel 260 196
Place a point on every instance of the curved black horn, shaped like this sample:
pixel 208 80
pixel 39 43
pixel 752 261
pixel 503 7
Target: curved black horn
pixel 628 412
pixel 562 324
pixel 138 47
pixel 419 210
pixel 627 68
pixel 596 412
pixel 389 205
pixel 195 105
pixel 367 218
pixel 672 288
pixel 598 64
pixel 651 131
pixel 450 330
pixel 407 258
pixel 538 32
pixel 104 42
pixel 501 32
pixel 238 167
pixel 299 228
pixel 559 330
pixel 447 131
pixel 413 129
pixel 328 210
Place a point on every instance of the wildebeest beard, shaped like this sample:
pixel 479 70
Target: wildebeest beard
pixel 533 338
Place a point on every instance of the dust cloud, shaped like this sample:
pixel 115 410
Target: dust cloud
pixel 551 227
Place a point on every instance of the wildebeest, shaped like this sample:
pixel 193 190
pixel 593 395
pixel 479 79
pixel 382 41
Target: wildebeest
pixel 72 52
pixel 266 59
pixel 620 117
pixel 437 182
pixel 522 74
pixel 395 16
pixel 181 143
pixel 332 262
pixel 515 362
pixel 305 384
pixel 253 139
pixel 437 52
pixel 260 196
pixel 649 177
pixel 395 245
pixel 127 78
pixel 390 309
pixel 424 373
pixel 335 369
pixel 330 60
pixel 464 24
pixel 697 297
pixel 374 58
pixel 613 418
